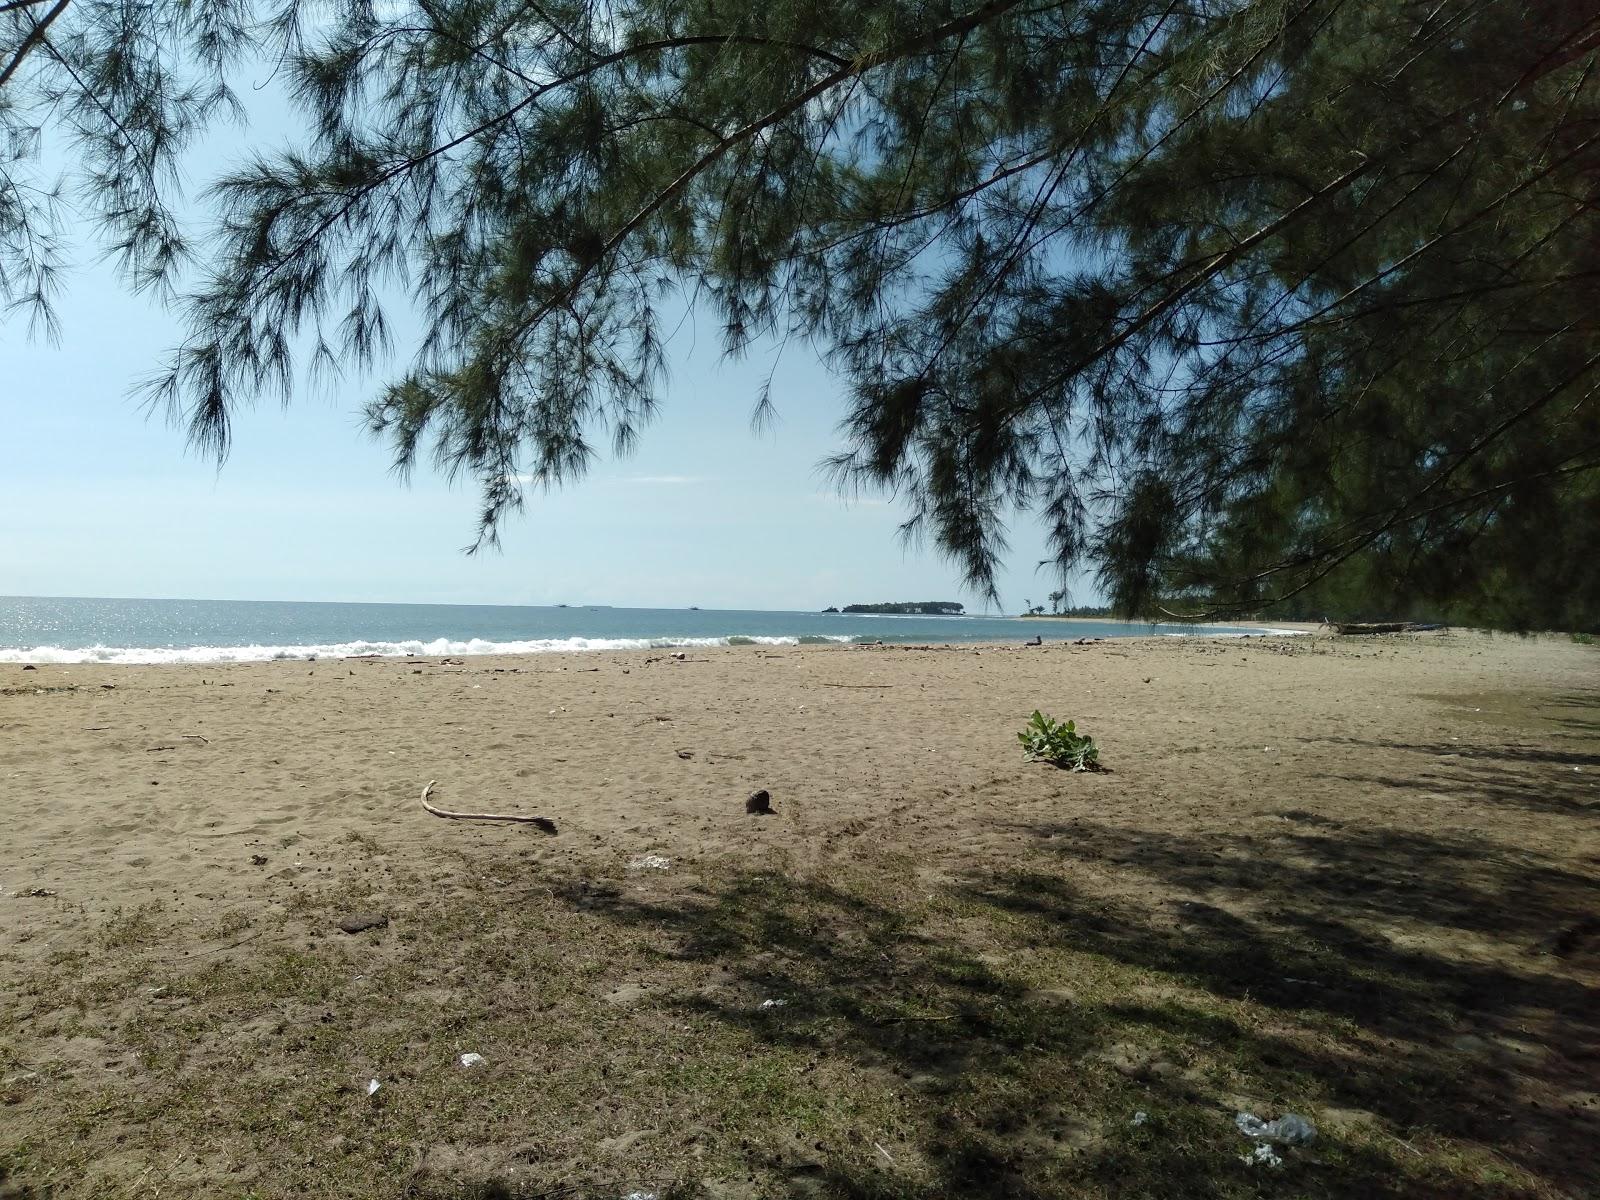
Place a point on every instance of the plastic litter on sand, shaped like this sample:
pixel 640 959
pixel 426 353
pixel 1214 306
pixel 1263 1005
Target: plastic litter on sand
pixel 773 1003
pixel 1262 1156
pixel 1291 1129
pixel 470 1059
pixel 649 862
pixel 1139 1118
pixel 372 1087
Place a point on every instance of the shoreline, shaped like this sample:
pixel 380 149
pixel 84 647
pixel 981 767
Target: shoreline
pixel 663 646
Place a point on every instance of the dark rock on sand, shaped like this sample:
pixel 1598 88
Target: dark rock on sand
pixel 759 802
pixel 357 922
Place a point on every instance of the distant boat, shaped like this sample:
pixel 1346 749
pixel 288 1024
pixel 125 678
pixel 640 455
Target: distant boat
pixel 694 608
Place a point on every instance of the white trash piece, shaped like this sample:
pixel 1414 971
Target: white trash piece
pixel 649 862
pixel 1262 1156
pixel 469 1059
pixel 372 1087
pixel 765 1004
pixel 1140 1118
pixel 1291 1129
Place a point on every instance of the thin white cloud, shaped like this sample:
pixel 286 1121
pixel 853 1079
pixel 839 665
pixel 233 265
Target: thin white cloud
pixel 665 480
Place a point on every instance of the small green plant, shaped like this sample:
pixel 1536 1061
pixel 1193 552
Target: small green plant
pixel 1583 639
pixel 1045 739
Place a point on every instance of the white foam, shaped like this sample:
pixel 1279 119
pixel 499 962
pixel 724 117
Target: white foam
pixel 439 647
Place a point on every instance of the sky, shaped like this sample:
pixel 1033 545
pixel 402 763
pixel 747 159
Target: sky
pixel 100 498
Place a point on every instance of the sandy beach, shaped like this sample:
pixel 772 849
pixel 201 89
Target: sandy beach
pixel 1289 830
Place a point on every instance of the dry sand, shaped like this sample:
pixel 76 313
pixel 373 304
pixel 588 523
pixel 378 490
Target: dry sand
pixel 163 782
pixel 1441 791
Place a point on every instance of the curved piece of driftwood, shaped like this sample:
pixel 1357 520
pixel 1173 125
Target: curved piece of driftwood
pixel 544 823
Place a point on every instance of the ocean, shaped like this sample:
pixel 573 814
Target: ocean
pixel 43 629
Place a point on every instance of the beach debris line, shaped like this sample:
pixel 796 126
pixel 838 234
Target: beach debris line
pixel 542 823
pixel 759 803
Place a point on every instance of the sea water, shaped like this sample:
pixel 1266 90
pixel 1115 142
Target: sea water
pixel 65 630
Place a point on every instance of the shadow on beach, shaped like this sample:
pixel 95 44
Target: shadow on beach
pixel 1399 988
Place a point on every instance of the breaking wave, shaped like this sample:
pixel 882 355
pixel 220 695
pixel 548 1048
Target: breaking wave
pixel 439 647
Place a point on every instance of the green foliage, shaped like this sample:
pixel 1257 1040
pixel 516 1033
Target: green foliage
pixel 1047 740
pixel 1584 639
pixel 1250 301
pixel 99 100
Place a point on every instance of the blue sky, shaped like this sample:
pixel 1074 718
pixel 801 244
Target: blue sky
pixel 97 498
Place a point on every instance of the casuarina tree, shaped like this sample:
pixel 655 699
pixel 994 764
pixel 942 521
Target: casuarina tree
pixel 1240 298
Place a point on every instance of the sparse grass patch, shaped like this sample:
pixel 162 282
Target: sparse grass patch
pixel 991 1036
pixel 130 929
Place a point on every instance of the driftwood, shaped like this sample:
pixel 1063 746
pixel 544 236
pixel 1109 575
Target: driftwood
pixel 544 823
pixel 1358 627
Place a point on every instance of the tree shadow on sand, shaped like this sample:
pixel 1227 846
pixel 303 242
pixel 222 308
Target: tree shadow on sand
pixel 1536 779
pixel 1408 979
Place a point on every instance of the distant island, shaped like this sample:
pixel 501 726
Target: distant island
pixel 908 608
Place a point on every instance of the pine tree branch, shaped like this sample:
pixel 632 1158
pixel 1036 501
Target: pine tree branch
pixel 1334 556
pixel 599 62
pixel 13 5
pixel 35 36
pixel 794 104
